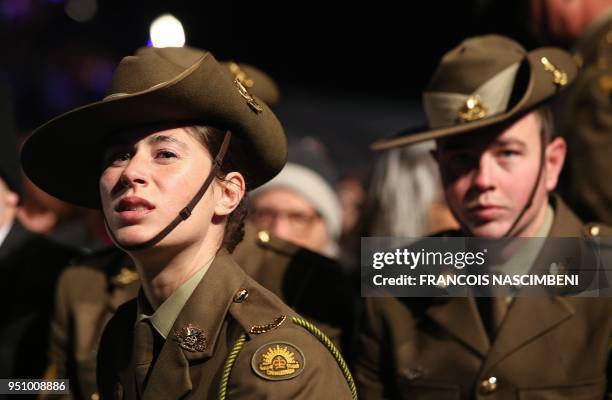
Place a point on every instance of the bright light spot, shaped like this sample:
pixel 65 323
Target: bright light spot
pixel 167 31
pixel 81 10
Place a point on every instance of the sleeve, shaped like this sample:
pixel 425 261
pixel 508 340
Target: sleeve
pixel 368 362
pixel 587 125
pixel 288 365
pixel 114 352
pixel 59 333
pixel 609 372
pixel 58 352
pixel 105 376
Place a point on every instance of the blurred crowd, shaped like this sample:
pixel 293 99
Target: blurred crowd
pixel 63 278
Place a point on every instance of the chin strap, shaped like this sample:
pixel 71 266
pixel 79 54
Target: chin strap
pixel 533 190
pixel 185 212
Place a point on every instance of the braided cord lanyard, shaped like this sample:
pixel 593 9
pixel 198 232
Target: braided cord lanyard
pixel 229 364
pixel 316 332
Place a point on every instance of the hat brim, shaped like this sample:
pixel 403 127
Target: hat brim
pixel 64 156
pixel 539 89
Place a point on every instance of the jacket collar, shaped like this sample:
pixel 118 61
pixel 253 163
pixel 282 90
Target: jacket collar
pixel 527 319
pixel 206 309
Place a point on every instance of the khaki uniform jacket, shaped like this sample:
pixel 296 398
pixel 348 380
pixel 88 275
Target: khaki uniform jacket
pixel 89 293
pixel 313 285
pixel 546 348
pixel 586 124
pixel 223 315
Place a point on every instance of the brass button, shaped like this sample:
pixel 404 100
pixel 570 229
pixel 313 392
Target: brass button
pixel 264 236
pixel 488 385
pixel 594 230
pixel 442 284
pixel 241 296
pixel 95 396
pixel 557 268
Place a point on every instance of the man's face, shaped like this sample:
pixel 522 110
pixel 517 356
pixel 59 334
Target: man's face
pixel 488 177
pixel 291 217
pixel 564 21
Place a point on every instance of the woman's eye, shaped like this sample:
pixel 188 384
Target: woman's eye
pixel 166 154
pixel 119 157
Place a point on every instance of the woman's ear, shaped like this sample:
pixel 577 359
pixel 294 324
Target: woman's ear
pixel 229 194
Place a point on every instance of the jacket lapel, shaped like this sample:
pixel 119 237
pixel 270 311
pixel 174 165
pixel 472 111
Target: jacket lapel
pixel 459 316
pixel 530 317
pixel 206 309
pixel 126 382
pixel 527 319
pixel 170 376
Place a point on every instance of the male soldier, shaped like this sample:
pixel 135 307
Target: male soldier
pixel 89 292
pixel 29 267
pixel 499 164
pixel 586 118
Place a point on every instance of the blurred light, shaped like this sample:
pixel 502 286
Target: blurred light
pixel 81 10
pixel 167 31
pixel 15 8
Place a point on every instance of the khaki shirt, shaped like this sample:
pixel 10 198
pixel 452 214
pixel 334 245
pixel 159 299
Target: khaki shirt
pixel 163 318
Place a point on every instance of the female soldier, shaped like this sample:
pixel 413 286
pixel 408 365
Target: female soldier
pixel 168 155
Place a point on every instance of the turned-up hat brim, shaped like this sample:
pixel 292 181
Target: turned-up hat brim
pixel 64 156
pixel 538 87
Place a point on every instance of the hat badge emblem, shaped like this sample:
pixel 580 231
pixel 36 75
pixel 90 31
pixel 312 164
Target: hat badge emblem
pixel 248 97
pixel 473 109
pixel 241 75
pixel 279 361
pixel 559 76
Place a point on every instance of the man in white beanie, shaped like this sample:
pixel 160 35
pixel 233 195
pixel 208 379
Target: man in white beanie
pixel 300 205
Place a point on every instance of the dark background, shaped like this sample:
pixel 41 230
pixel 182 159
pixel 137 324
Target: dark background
pixel 348 75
